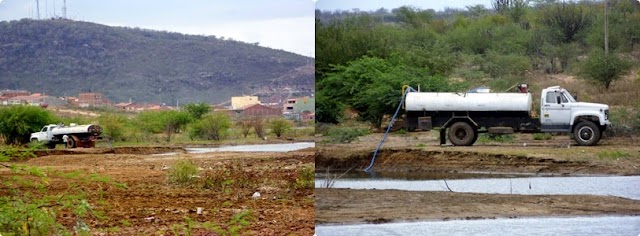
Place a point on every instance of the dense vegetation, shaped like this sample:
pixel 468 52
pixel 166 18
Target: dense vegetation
pixel 194 122
pixel 363 58
pixel 62 57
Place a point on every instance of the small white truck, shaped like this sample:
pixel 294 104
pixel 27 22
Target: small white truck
pixel 73 136
pixel 465 115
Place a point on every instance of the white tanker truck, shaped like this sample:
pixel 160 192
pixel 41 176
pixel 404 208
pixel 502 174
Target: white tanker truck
pixel 467 114
pixel 73 135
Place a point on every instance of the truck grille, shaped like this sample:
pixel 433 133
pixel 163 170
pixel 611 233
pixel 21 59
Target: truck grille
pixel 606 114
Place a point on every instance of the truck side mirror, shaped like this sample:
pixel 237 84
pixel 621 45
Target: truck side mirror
pixel 575 97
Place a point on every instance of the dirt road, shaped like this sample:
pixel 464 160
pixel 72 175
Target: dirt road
pixel 150 205
pixel 420 153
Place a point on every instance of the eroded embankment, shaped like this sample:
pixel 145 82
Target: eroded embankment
pixel 410 160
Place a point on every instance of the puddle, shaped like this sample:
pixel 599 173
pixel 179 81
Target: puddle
pixel 165 154
pixel 622 186
pixel 421 175
pixel 281 147
pixel 627 225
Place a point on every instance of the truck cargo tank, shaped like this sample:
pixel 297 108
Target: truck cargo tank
pixel 78 129
pixel 423 101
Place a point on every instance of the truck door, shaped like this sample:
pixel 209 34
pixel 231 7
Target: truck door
pixel 49 134
pixel 556 113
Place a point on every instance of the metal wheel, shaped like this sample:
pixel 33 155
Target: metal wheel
pixel 586 133
pixel 462 134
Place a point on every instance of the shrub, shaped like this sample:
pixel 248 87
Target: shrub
pixel 18 122
pixel 258 126
pixel 211 127
pixel 183 173
pixel 279 126
pixel 245 127
pixel 114 126
pixel 345 135
pixel 604 69
pixel 227 176
pixel 306 178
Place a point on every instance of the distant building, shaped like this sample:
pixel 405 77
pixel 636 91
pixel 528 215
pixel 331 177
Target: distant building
pixel 6 94
pixel 244 101
pixel 260 110
pixel 36 99
pixel 126 106
pixel 299 105
pixel 92 100
pixel 307 116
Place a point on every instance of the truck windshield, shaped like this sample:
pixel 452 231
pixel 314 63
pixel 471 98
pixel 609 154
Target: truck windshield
pixel 568 95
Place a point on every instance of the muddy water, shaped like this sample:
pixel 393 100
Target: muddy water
pixel 629 225
pixel 622 186
pixel 282 147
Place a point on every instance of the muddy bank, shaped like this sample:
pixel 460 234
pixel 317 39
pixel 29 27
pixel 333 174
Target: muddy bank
pixel 347 206
pixel 452 160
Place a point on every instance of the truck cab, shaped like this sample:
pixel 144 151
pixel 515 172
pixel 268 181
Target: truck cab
pixel 45 135
pixel 560 112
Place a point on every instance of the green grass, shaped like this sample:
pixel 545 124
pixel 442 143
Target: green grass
pixel 613 154
pixel 306 178
pixel 183 173
pixel 500 138
pixel 542 136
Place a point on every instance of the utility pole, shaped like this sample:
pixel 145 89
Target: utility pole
pixel 606 28
pixel 64 9
pixel 38 8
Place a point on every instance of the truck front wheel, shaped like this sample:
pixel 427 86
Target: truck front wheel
pixel 586 133
pixel 462 134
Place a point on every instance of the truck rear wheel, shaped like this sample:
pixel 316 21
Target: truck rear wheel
pixel 71 142
pixel 586 133
pixel 462 134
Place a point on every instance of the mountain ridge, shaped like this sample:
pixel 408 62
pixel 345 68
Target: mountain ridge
pixel 64 57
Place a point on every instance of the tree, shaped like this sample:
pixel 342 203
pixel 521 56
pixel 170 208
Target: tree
pixel 211 127
pixel 604 68
pixel 113 126
pixel 515 9
pixel 279 126
pixel 245 126
pixel 18 122
pixel 196 110
pixel 173 122
pixel 169 122
pixel 371 86
pixel 257 123
pixel 568 19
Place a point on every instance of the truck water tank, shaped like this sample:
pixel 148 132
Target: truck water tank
pixel 78 129
pixel 421 101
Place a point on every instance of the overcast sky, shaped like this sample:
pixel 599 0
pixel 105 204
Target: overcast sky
pixel 368 5
pixel 280 24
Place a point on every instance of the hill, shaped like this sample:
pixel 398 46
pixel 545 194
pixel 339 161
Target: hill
pixel 63 57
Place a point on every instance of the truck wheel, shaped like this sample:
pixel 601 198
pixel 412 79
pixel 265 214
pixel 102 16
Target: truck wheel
pixel 586 133
pixel 462 134
pixel 51 145
pixel 71 143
